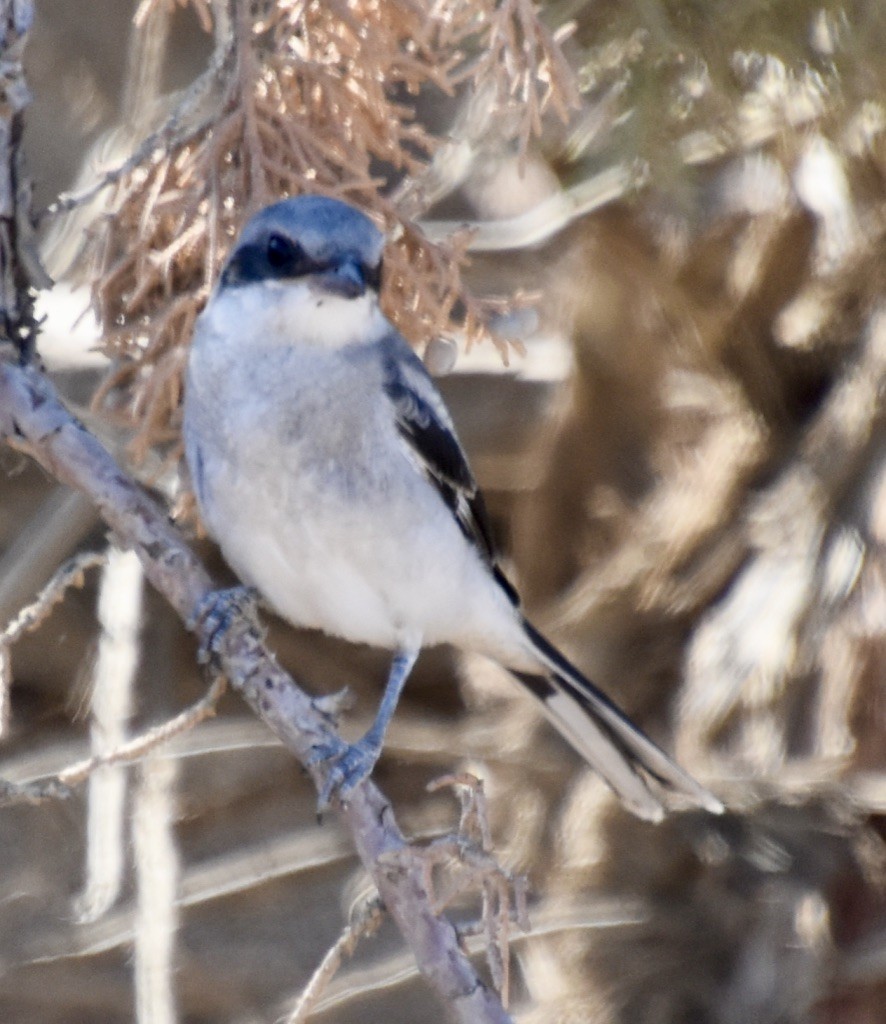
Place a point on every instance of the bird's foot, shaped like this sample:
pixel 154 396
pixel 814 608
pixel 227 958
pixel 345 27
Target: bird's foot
pixel 348 765
pixel 216 613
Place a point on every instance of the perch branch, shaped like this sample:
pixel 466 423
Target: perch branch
pixel 33 420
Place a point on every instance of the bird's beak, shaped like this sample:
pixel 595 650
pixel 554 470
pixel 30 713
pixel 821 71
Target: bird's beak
pixel 345 279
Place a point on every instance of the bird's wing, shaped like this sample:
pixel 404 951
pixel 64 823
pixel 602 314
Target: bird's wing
pixel 426 428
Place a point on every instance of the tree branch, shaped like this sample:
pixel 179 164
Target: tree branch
pixel 33 420
pixel 19 264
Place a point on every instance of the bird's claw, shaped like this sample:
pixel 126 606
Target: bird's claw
pixel 348 765
pixel 216 612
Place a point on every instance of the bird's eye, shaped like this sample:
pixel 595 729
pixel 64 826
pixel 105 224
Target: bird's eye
pixel 283 253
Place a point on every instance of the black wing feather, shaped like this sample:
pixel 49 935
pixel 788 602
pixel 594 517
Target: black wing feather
pixel 423 423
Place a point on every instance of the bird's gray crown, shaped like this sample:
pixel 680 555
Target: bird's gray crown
pixel 306 235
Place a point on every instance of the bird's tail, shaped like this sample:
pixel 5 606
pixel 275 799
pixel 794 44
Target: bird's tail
pixel 637 770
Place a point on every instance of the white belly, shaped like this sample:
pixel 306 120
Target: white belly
pixel 387 573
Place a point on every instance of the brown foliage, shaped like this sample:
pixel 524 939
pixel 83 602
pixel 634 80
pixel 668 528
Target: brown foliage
pixel 304 97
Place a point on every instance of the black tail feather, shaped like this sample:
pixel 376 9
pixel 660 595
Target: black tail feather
pixel 636 769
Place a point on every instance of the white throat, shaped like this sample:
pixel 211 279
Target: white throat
pixel 295 313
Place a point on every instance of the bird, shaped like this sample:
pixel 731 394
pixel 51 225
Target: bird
pixel 327 467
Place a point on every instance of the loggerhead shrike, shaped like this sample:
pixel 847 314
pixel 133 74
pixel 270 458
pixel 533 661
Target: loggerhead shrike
pixel 327 467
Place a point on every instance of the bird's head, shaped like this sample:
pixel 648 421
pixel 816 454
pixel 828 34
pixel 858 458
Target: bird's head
pixel 314 263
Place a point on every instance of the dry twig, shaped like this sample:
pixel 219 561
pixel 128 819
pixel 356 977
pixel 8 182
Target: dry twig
pixel 472 866
pixel 31 616
pixel 136 748
pixel 20 269
pixel 70 574
pixel 365 921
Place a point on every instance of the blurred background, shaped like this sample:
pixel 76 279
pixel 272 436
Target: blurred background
pixel 685 463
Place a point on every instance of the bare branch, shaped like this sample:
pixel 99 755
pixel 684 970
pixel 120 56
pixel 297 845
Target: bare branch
pixel 468 853
pixel 71 574
pixel 138 746
pixel 20 269
pixel 33 420
pixel 551 215
pixel 32 615
pixel 157 873
pixel 364 922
